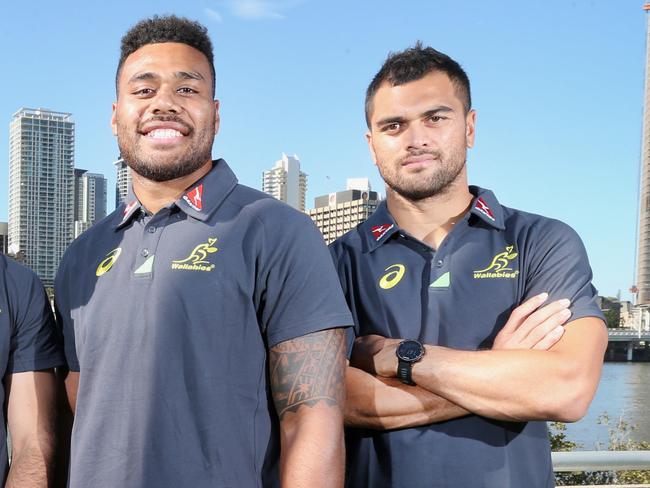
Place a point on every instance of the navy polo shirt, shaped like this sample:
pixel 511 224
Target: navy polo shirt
pixel 457 296
pixel 169 317
pixel 28 336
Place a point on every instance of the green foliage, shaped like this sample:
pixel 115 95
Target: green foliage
pixel 557 436
pixel 619 440
pixel 612 318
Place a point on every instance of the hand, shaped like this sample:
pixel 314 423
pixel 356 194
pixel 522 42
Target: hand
pixel 532 327
pixel 375 355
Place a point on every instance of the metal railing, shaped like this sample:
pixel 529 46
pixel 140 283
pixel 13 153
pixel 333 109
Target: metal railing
pixel 602 461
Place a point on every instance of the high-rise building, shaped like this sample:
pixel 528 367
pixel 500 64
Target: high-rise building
pixel 286 182
pixel 41 188
pixel 339 212
pixel 89 200
pixel 122 182
pixel 4 237
pixel 643 248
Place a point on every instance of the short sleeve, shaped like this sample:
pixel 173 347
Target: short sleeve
pixel 64 321
pixel 339 259
pixel 35 344
pixel 299 290
pixel 558 265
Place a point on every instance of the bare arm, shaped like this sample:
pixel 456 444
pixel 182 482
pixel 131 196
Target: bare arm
pixel 557 384
pixel 307 382
pixel 71 387
pixel 31 412
pixel 380 403
pixel 376 402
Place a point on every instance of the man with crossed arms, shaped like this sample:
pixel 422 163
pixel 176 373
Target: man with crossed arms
pixel 448 386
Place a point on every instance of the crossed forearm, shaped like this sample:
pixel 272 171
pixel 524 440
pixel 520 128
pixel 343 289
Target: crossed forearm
pixel 386 403
pixel 557 384
pixel 505 385
pixel 552 377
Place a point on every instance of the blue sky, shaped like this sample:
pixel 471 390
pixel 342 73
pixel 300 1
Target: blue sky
pixel 558 87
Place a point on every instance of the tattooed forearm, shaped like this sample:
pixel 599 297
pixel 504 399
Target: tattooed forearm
pixel 308 370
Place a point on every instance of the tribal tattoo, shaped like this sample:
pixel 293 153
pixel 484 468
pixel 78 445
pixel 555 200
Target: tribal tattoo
pixel 308 370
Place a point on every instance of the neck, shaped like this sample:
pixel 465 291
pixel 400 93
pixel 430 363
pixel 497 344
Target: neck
pixel 431 219
pixel 154 195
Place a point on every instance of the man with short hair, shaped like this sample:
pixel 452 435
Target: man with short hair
pixel 206 341
pixel 449 383
pixel 29 350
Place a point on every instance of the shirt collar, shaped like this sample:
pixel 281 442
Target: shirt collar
pixel 199 201
pixel 486 207
pixel 380 226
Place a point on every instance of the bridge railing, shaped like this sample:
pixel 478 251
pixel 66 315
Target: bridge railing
pixel 602 461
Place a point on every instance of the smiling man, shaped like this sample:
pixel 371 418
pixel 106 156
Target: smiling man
pixel 450 379
pixel 205 340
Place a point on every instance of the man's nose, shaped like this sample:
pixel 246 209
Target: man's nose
pixel 418 136
pixel 165 101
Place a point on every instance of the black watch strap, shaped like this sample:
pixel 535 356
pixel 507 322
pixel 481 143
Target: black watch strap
pixel 404 372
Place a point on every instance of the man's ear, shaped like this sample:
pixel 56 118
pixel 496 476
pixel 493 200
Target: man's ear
pixel 114 119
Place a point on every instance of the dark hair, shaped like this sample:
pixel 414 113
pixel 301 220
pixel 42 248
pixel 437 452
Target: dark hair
pixel 166 29
pixel 414 63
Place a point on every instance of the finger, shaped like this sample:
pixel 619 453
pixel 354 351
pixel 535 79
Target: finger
pixel 550 339
pixel 546 327
pixel 540 316
pixel 520 313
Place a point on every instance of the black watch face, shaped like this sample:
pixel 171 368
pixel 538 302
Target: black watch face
pixel 410 351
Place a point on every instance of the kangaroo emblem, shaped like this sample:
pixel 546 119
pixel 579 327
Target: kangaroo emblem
pixel 501 261
pixel 200 253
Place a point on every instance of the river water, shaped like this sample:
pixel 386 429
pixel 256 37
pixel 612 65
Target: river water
pixel 624 392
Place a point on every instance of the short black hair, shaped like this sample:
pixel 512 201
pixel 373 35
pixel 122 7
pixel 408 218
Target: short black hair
pixel 168 28
pixel 413 64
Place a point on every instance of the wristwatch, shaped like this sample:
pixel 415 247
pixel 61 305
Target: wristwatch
pixel 408 351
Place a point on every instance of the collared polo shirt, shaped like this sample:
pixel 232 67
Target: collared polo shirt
pixel 169 317
pixel 28 336
pixel 458 296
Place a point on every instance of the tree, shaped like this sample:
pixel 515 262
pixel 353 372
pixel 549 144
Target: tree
pixel 613 318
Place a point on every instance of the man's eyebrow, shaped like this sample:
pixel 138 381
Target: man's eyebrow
pixel 436 111
pixel 189 75
pixel 147 75
pixel 390 120
pixel 181 75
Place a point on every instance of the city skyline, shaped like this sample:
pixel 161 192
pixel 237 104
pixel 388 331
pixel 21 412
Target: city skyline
pixel 558 88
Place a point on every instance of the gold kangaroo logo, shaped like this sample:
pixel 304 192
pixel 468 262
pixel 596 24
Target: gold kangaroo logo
pixel 200 253
pixel 500 261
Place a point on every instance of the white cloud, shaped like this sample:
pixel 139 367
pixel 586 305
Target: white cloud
pixel 214 15
pixel 255 9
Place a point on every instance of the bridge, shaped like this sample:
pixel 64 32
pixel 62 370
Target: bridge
pixel 627 335
pixel 628 345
